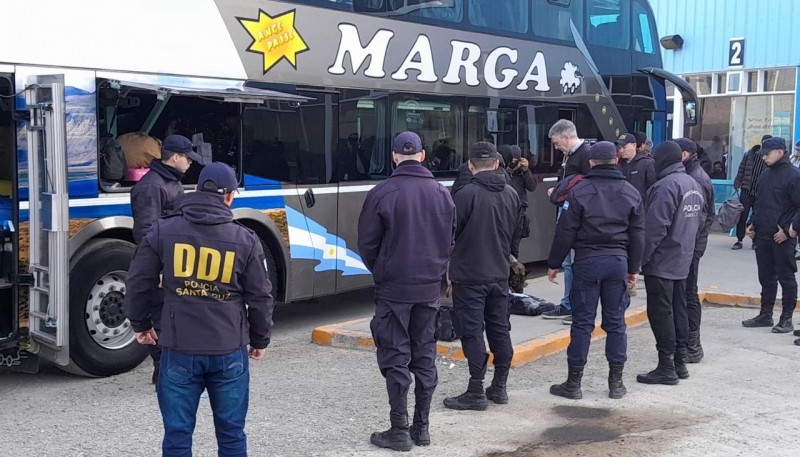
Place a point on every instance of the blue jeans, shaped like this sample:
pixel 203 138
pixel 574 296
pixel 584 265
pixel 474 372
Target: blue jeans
pixel 182 380
pixel 567 266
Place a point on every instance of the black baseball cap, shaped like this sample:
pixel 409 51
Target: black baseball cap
pixel 218 178
pixel 179 144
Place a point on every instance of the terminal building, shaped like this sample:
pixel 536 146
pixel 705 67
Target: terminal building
pixel 742 59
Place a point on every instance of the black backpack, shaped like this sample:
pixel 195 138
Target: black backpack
pixel 113 165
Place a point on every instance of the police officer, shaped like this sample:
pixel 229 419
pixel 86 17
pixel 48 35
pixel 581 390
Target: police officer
pixel 216 302
pixel 776 218
pixel 154 196
pixel 672 219
pixel 603 221
pixel 487 217
pixel 639 168
pixel 405 236
pixel 694 352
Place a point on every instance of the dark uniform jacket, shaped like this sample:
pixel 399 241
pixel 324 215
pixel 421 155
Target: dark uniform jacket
pixel 464 176
pixel 603 215
pixel 154 196
pixel 778 199
pixel 216 291
pixel 488 212
pixel 405 234
pixel 577 162
pixel 673 216
pixel 640 171
pixel 696 171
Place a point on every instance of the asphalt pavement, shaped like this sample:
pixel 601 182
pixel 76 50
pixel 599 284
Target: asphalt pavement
pixel 310 400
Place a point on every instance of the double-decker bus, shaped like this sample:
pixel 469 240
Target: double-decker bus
pixel 302 98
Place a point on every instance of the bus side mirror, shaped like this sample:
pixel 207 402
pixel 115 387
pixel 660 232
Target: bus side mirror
pixel 690 113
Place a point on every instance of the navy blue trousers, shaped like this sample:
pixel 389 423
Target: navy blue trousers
pixel 479 307
pixel 404 336
pixel 603 279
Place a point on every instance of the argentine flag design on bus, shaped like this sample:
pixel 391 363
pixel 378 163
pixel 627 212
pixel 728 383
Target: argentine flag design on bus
pixel 316 243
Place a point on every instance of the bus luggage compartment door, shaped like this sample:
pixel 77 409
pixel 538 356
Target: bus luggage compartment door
pixel 48 216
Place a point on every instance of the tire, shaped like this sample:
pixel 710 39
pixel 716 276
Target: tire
pixel 272 270
pixel 102 342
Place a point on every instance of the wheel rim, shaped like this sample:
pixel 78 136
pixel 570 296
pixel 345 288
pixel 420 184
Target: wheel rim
pixel 105 314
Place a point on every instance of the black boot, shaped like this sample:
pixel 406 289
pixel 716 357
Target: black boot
pixel 419 429
pixel 784 325
pixel 616 389
pixel 474 398
pixel 694 352
pixel 680 364
pixel 497 391
pixel 572 387
pixel 397 437
pixel 763 319
pixel 663 374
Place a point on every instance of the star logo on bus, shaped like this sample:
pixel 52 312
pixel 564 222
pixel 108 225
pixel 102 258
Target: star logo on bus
pixel 275 38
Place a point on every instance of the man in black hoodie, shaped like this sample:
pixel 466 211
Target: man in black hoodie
pixel 673 217
pixel 603 221
pixel 216 302
pixel 776 214
pixel 487 212
pixel 154 196
pixel 405 236
pixel 693 308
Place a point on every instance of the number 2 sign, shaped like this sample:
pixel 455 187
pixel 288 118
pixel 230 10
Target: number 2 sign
pixel 736 52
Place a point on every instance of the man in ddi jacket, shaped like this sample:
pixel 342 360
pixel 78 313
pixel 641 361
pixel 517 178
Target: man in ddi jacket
pixel 603 221
pixel 487 211
pixel 216 302
pixel 673 217
pixel 775 216
pixel 405 236
pixel 154 196
pixel 694 351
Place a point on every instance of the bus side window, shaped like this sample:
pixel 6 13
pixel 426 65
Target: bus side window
pixel 361 148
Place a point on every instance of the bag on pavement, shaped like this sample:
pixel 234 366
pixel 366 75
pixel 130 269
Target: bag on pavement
pixel 729 213
pixel 528 305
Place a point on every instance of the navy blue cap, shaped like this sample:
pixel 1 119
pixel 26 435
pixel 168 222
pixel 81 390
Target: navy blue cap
pixel 772 144
pixel 218 177
pixel 625 139
pixel 603 150
pixel 407 143
pixel 687 145
pixel 179 144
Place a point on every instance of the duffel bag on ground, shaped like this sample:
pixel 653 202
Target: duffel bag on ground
pixel 527 305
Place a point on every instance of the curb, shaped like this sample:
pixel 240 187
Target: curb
pixel 337 335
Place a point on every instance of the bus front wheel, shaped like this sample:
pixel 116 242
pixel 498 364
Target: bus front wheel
pixel 102 341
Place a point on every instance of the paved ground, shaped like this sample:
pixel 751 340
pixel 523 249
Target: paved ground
pixel 309 400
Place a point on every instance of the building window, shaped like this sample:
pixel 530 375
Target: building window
pixel 700 83
pixel 752 81
pixel 735 82
pixel 722 85
pixel 779 80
